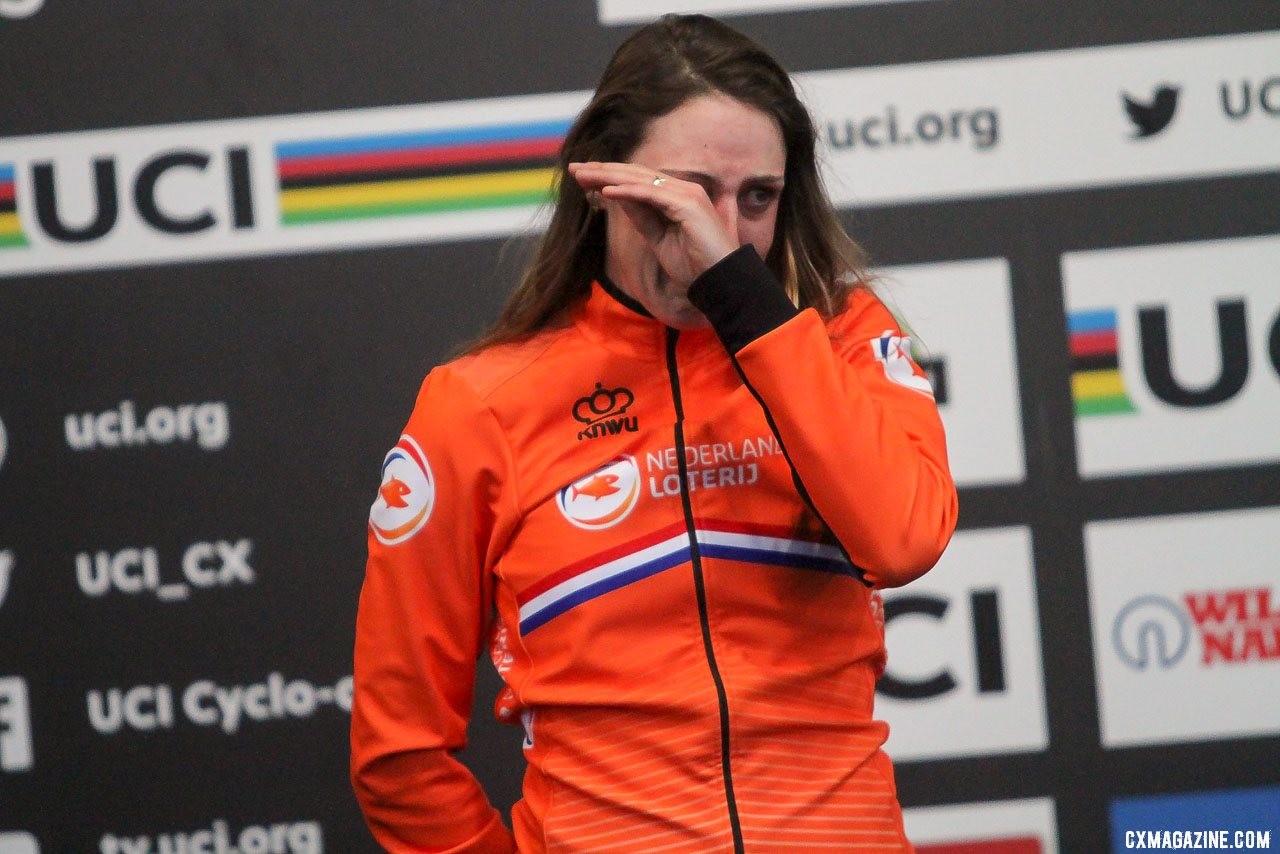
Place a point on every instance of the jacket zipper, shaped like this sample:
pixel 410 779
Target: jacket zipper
pixel 699 586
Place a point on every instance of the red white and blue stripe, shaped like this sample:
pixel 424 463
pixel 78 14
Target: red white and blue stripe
pixel 668 548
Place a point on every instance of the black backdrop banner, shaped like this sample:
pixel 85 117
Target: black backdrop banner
pixel 210 337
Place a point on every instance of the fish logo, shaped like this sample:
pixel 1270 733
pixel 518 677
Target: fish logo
pixel 406 496
pixel 600 486
pixel 394 491
pixel 604 497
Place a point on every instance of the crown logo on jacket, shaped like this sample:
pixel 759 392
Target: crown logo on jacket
pixel 603 410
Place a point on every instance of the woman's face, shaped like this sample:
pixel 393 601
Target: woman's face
pixel 736 153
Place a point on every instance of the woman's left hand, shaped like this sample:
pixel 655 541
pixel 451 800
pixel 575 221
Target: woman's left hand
pixel 674 216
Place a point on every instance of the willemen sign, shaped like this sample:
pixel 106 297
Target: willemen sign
pixel 1186 626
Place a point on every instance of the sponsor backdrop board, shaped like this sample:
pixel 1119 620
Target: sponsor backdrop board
pixel 964 671
pixel 280 184
pixel 1011 827
pixel 233 238
pixel 1047 121
pixel 1186 626
pixel 630 11
pixel 1174 349
pixel 960 318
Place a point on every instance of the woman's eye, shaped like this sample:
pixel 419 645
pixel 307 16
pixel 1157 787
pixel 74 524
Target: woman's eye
pixel 760 198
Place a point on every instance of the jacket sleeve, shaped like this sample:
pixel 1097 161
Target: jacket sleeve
pixel 423 612
pixel 855 416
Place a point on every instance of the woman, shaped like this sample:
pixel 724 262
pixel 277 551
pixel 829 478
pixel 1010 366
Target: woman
pixel 679 467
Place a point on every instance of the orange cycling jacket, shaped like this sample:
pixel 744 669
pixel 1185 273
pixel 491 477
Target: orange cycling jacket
pixel 682 534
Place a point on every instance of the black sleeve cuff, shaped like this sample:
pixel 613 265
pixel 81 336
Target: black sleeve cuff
pixel 742 298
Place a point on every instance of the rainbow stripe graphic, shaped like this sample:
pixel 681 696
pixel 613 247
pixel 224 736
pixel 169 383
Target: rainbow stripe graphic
pixel 1096 382
pixel 436 171
pixel 11 235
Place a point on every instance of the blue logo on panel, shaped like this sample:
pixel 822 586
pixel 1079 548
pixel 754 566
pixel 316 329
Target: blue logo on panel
pixel 1237 818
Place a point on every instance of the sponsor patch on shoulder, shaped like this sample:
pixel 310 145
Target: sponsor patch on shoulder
pixel 893 352
pixel 604 497
pixel 406 495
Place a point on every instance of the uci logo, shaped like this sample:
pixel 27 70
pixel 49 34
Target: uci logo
pixel 176 192
pixel 988 646
pixel 1238 101
pixel 1233 348
pixel 1098 383
pixel 604 412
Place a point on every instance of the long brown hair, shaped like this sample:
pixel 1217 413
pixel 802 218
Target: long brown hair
pixel 652 73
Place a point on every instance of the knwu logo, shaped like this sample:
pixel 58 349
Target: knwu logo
pixel 604 411
pixel 1173 349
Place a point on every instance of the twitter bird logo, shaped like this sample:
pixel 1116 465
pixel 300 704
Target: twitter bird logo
pixel 1154 117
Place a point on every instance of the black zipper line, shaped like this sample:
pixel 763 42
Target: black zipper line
pixel 699 586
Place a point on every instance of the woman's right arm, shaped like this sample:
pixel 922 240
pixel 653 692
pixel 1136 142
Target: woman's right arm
pixel 424 610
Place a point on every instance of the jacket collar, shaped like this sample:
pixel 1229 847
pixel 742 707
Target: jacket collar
pixel 617 322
